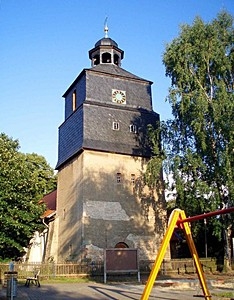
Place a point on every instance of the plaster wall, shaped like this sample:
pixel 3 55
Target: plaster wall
pixel 70 208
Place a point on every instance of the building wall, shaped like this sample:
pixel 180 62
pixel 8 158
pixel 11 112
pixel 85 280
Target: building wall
pixel 52 242
pixel 69 208
pixel 101 212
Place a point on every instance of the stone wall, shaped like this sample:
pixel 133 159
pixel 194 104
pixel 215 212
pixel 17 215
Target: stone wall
pixel 96 211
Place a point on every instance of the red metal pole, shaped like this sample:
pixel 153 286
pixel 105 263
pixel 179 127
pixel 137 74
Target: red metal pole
pixel 204 216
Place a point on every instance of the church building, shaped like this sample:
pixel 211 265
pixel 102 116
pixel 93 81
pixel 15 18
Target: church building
pixel 103 150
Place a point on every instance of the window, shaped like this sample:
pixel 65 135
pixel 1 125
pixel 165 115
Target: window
pixel 115 125
pixel 133 128
pixel 121 245
pixel 133 178
pixel 64 213
pixel 106 58
pixel 70 249
pixel 74 104
pixel 118 177
pixel 116 59
pixel 96 60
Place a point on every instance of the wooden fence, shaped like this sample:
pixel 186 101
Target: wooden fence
pixel 53 270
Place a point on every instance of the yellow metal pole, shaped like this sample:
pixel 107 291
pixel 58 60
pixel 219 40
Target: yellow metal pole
pixel 161 253
pixel 193 251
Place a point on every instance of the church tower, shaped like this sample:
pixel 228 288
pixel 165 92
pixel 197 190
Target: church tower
pixel 102 156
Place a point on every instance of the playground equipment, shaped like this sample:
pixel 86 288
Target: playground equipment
pixel 178 218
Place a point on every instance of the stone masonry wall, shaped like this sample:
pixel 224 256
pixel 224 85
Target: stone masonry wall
pixel 96 211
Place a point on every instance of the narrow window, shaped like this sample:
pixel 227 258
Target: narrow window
pixel 116 59
pixel 115 126
pixel 70 249
pixel 133 179
pixel 74 104
pixel 133 128
pixel 64 214
pixel 118 177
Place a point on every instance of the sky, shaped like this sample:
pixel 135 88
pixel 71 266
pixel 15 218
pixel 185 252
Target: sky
pixel 44 46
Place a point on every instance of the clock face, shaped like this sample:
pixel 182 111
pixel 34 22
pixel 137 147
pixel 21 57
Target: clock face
pixel 119 96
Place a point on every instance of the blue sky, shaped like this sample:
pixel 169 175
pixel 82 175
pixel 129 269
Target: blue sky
pixel 44 45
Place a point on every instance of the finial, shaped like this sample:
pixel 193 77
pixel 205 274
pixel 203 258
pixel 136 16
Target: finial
pixel 106 28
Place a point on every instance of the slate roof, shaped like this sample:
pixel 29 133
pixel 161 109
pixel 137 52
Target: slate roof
pixel 112 69
pixel 109 69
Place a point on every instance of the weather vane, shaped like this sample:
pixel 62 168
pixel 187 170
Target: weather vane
pixel 106 28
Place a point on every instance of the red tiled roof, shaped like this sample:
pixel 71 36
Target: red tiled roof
pixel 50 202
pixel 48 213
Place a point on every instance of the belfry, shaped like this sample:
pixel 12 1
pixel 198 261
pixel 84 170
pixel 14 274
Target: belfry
pixel 103 150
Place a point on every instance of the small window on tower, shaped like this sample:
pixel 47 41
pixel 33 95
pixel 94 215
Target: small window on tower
pixel 133 178
pixel 96 60
pixel 115 125
pixel 116 59
pixel 74 100
pixel 118 178
pixel 133 128
pixel 106 58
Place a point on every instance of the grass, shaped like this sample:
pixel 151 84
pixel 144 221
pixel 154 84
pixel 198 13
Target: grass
pixel 85 279
pixel 66 280
pixel 229 295
pixel 60 280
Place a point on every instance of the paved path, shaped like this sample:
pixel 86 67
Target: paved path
pixel 91 291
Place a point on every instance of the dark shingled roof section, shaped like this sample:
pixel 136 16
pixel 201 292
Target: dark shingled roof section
pixel 109 69
pixel 106 42
pixel 115 70
pixel 90 126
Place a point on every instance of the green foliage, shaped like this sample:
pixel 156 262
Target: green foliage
pixel 153 174
pixel 199 140
pixel 24 179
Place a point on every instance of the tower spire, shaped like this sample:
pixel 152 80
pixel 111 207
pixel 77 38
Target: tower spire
pixel 106 28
